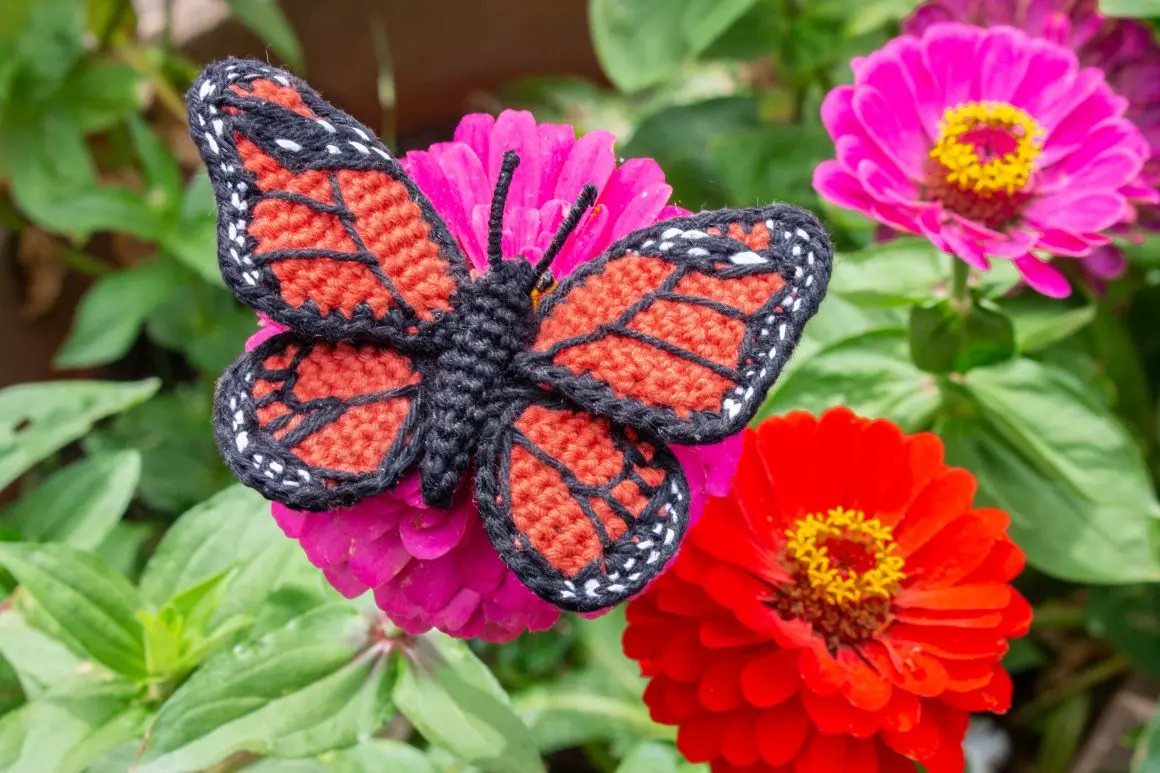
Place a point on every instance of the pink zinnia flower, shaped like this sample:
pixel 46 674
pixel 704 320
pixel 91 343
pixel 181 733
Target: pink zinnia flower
pixel 432 568
pixel 1124 49
pixel 990 143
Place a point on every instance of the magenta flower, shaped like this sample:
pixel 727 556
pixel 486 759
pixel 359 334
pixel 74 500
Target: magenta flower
pixel 990 143
pixel 431 568
pixel 1124 49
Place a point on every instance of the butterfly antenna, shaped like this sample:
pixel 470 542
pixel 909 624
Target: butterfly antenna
pixel 507 170
pixel 583 202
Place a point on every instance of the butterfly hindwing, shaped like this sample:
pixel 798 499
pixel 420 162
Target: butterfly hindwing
pixel 315 424
pixel 318 226
pixel 584 511
pixel 684 326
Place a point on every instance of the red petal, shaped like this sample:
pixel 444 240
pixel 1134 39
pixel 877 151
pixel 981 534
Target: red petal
pixel 753 491
pixel 967 675
pixel 924 459
pixel 907 666
pixel 994 697
pixel 701 739
pixel 669 702
pixel 822 754
pixel 771 678
pixel 890 761
pixel 1017 616
pixel 781 731
pixel 1004 562
pixel 885 482
pixel 740 742
pixel 692 563
pixel 952 618
pixel 952 728
pixel 903 711
pixel 834 715
pixel 644 639
pixel 944 499
pixel 682 599
pixel 789 452
pixel 861 757
pixel 726 632
pixel 820 672
pixel 725 534
pixel 684 659
pixel 990 596
pixel 951 643
pixel 865 688
pixel 840 433
pixel 720 686
pixel 956 551
pixel 920 742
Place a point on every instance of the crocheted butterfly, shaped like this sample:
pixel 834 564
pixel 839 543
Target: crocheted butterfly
pixel 562 398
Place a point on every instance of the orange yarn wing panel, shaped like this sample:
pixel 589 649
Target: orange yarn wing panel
pixel 585 511
pixel 319 227
pixel 684 327
pixel 317 425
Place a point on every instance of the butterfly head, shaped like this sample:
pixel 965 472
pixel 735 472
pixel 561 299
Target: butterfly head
pixel 539 282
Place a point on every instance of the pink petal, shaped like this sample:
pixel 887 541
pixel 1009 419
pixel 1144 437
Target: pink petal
pixel 344 581
pixel 463 169
pixel 323 543
pixel 968 249
pixel 380 561
pixel 443 194
pixel 642 211
pixel 1077 210
pixel 585 243
pixel 1050 76
pixel 429 534
pixel 1105 262
pixel 949 54
pixel 474 131
pixel 929 100
pixel 833 182
pixel 429 584
pixel 370 518
pixel 591 160
pixel 521 230
pixel 556 141
pixel 458 612
pixel 898 136
pixel 1043 277
pixel 291 522
pixel 1003 58
pixel 1075 125
pixel 854 149
pixel 626 184
pixel 1062 243
pixel 516 130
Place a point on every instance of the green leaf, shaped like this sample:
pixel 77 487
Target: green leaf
pixel 49 38
pixel 79 504
pixel 226 530
pixel 773 163
pixel 870 373
pixel 378 757
pixel 945 340
pixel 704 21
pixel 604 654
pixel 180 463
pixel 650 757
pixel 316 684
pixel 455 702
pixel 1068 473
pixel 112 312
pixel 90 602
pixel 1062 733
pixel 100 95
pixel 1024 655
pixel 901 272
pixel 123 545
pixel 574 711
pixel 680 138
pixel 205 323
pixel 37 419
pixel 194 240
pixel 1128 618
pixel 13 729
pixel 161 171
pixel 78 723
pixel 265 19
pixel 639 42
pixel 1146 757
pixel 39 660
pixel 1132 9
pixel 1040 322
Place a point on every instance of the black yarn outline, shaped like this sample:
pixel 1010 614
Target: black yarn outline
pixel 700 427
pixel 493 495
pixel 347 488
pixel 262 122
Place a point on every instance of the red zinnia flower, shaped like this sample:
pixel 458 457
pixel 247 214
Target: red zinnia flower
pixel 843 609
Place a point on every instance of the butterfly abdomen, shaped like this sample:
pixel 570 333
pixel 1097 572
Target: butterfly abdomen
pixel 490 325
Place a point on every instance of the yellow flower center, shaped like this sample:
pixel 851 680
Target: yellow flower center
pixel 988 148
pixel 846 572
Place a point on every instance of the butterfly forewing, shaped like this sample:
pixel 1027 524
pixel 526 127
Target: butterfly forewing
pixel 319 227
pixel 317 425
pixel 683 327
pixel 585 511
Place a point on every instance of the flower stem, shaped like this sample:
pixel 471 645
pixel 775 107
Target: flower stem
pixel 1077 683
pixel 960 292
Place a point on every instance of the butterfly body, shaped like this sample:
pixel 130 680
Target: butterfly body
pixel 478 343
pixel 561 400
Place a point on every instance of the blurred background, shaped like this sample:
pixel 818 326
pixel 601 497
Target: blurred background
pixel 115 324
